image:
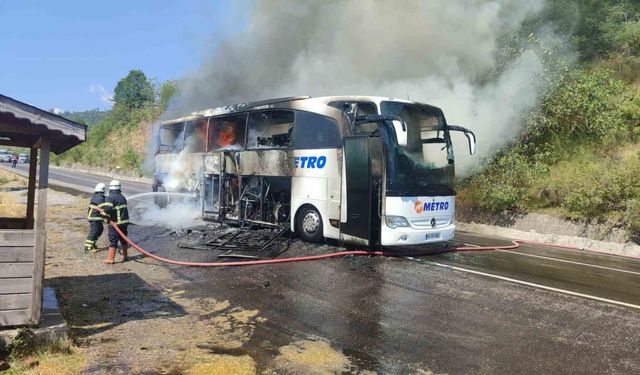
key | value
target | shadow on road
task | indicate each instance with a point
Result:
(96, 303)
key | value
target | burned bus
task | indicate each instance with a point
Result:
(358, 169)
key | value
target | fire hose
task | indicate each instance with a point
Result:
(515, 244)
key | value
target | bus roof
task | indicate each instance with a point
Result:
(241, 107)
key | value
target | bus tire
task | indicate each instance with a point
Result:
(161, 200)
(308, 224)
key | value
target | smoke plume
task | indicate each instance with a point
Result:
(178, 211)
(448, 53)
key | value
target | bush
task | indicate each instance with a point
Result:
(589, 111)
(593, 186)
(505, 184)
(585, 106)
(632, 219)
(131, 158)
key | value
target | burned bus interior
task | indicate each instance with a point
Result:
(247, 159)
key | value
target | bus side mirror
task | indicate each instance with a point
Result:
(471, 137)
(472, 142)
(401, 132)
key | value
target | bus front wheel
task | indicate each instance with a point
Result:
(309, 224)
(161, 200)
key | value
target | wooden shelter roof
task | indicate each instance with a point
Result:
(23, 125)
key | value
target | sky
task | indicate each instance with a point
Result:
(70, 54)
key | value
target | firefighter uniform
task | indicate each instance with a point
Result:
(96, 226)
(116, 208)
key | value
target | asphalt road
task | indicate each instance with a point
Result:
(532, 310)
(535, 309)
(596, 276)
(83, 181)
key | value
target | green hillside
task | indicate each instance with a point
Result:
(118, 137)
(89, 118)
(579, 155)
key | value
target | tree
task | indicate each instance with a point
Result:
(134, 90)
(166, 92)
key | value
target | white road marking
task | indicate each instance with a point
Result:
(558, 260)
(570, 262)
(534, 285)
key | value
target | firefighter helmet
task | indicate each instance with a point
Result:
(114, 185)
(99, 188)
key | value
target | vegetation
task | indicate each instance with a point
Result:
(90, 117)
(133, 91)
(579, 154)
(117, 138)
(28, 356)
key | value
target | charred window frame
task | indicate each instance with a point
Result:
(364, 108)
(171, 138)
(270, 129)
(195, 135)
(315, 131)
(227, 132)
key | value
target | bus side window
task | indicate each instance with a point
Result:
(366, 108)
(314, 131)
(195, 137)
(270, 129)
(227, 133)
(170, 138)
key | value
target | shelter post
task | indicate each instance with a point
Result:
(41, 234)
(31, 189)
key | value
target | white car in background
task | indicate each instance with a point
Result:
(23, 158)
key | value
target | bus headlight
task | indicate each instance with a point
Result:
(396, 221)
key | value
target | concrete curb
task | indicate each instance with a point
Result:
(626, 249)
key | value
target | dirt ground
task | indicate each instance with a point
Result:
(132, 318)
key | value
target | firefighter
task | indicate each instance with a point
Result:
(96, 227)
(116, 211)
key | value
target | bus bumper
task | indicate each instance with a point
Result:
(411, 236)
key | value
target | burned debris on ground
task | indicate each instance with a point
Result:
(223, 241)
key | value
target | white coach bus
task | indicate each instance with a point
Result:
(359, 169)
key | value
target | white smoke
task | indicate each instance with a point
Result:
(442, 52)
(169, 210)
(174, 216)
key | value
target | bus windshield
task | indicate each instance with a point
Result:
(425, 165)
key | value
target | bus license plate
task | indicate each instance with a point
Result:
(432, 236)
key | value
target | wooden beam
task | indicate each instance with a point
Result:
(14, 301)
(41, 235)
(14, 317)
(16, 285)
(31, 189)
(10, 270)
(17, 238)
(16, 254)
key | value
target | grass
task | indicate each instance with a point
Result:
(27, 356)
(47, 362)
(9, 207)
(10, 184)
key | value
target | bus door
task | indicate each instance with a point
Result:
(363, 171)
